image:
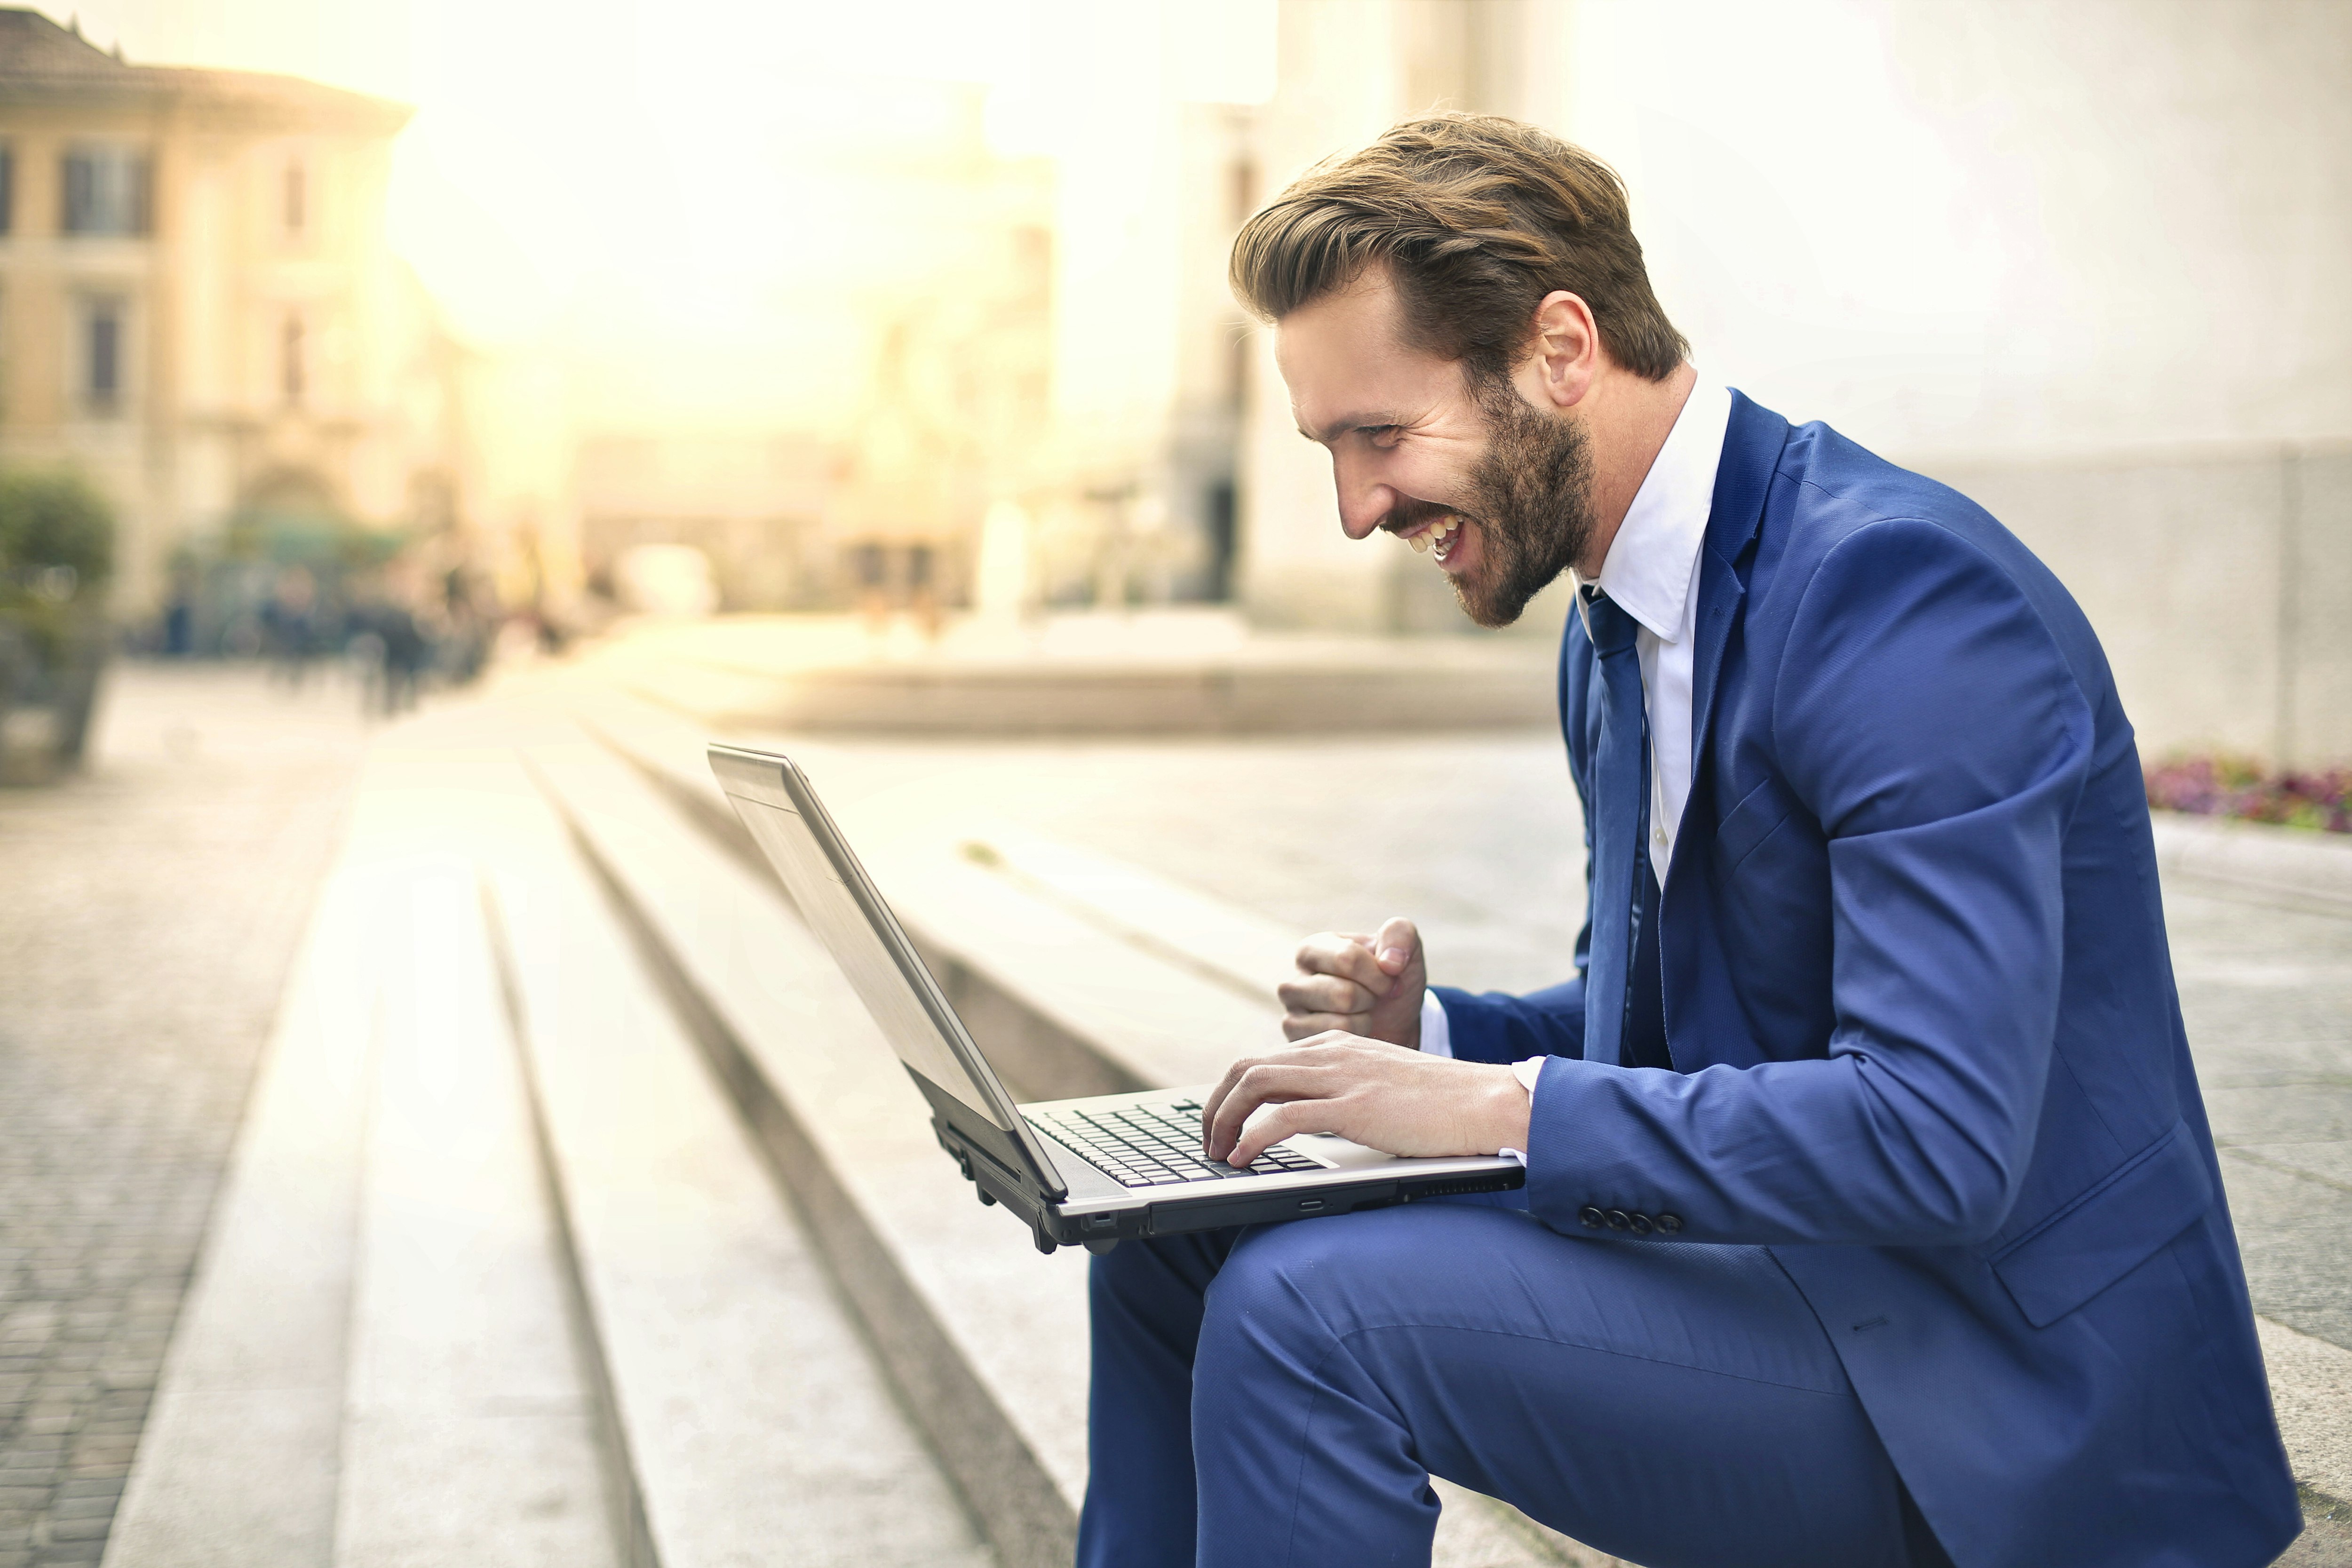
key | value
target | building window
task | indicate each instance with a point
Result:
(106, 191)
(297, 199)
(289, 359)
(102, 355)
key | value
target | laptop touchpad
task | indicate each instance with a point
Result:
(1336, 1154)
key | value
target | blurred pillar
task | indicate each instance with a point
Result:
(1000, 586)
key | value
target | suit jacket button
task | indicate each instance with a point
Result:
(1642, 1225)
(1593, 1217)
(1618, 1219)
(1669, 1223)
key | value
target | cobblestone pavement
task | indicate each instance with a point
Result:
(2268, 995)
(1477, 837)
(148, 911)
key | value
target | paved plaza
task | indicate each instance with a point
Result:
(148, 911)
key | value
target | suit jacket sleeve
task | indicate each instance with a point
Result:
(1490, 1026)
(1924, 717)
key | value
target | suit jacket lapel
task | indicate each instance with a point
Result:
(1751, 450)
(1751, 446)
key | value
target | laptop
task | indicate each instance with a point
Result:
(1091, 1171)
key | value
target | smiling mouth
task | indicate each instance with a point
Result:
(1437, 538)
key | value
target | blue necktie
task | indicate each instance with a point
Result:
(1621, 787)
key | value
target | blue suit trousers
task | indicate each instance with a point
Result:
(1280, 1395)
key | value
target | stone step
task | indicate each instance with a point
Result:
(426, 1291)
(236, 1467)
(471, 1425)
(1081, 974)
(754, 1421)
(743, 674)
(2258, 857)
(986, 1338)
(373, 1365)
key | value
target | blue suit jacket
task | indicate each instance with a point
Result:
(1926, 1040)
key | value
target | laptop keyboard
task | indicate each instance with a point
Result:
(1155, 1145)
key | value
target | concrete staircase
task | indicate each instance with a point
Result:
(498, 1278)
(581, 1218)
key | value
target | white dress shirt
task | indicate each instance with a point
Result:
(1652, 572)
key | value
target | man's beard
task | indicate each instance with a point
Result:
(1531, 499)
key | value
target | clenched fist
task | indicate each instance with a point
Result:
(1366, 985)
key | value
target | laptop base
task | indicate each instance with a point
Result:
(1055, 1225)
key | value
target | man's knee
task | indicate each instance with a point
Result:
(1288, 1292)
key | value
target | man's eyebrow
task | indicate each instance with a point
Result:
(1341, 426)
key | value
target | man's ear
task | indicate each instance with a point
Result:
(1563, 354)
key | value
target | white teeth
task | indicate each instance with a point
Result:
(1438, 535)
(1446, 530)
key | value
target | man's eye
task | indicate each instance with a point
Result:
(1382, 435)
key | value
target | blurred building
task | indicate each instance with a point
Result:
(920, 279)
(197, 308)
(1141, 502)
(975, 343)
(953, 412)
(754, 506)
(1219, 187)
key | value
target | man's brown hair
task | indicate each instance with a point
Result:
(1476, 219)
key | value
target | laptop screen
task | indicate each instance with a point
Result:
(833, 892)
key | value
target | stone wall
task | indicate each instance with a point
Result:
(2221, 585)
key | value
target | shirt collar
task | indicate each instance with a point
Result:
(1650, 567)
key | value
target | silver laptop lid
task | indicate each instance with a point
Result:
(841, 904)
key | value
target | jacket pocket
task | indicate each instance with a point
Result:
(2108, 1231)
(1751, 822)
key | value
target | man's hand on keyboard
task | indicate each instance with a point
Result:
(1384, 1096)
(1368, 983)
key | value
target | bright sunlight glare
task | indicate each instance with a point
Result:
(676, 195)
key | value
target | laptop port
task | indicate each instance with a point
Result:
(1308, 1205)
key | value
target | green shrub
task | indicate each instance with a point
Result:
(54, 517)
(56, 547)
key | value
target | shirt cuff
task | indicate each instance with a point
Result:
(1526, 1072)
(1436, 1035)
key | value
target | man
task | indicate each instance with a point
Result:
(1871, 1215)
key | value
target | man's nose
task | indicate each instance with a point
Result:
(1364, 499)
